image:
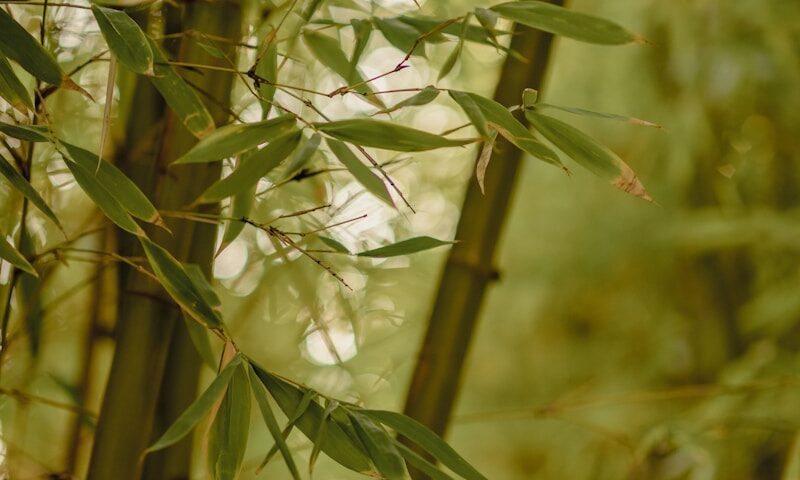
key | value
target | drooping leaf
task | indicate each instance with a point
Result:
(125, 39)
(302, 155)
(423, 97)
(241, 204)
(11, 88)
(561, 21)
(267, 69)
(12, 256)
(483, 160)
(29, 133)
(320, 436)
(340, 442)
(386, 135)
(488, 20)
(588, 153)
(334, 244)
(202, 284)
(420, 463)
(252, 167)
(24, 187)
(127, 193)
(227, 439)
(400, 34)
(381, 448)
(199, 337)
(180, 97)
(475, 114)
(179, 285)
(362, 30)
(19, 45)
(603, 115)
(299, 410)
(405, 247)
(198, 409)
(451, 59)
(233, 139)
(429, 441)
(426, 24)
(272, 424)
(360, 172)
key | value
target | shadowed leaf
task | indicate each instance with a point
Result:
(405, 247)
(11, 88)
(385, 135)
(125, 39)
(227, 440)
(603, 115)
(29, 133)
(379, 444)
(423, 97)
(267, 68)
(18, 45)
(24, 187)
(12, 256)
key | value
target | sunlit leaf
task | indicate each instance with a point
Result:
(179, 285)
(180, 97)
(24, 187)
(451, 59)
(29, 133)
(386, 135)
(475, 114)
(125, 39)
(405, 247)
(423, 97)
(362, 30)
(360, 172)
(233, 139)
(198, 409)
(305, 151)
(379, 444)
(19, 45)
(267, 69)
(227, 438)
(429, 441)
(11, 88)
(603, 115)
(590, 154)
(252, 167)
(12, 256)
(561, 21)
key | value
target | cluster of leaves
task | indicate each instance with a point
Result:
(351, 435)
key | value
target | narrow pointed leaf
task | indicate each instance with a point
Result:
(405, 247)
(362, 30)
(24, 187)
(267, 69)
(385, 135)
(426, 24)
(19, 45)
(561, 21)
(29, 133)
(400, 34)
(179, 285)
(420, 463)
(320, 436)
(233, 139)
(379, 444)
(179, 95)
(11, 88)
(251, 168)
(198, 409)
(360, 172)
(429, 441)
(227, 440)
(241, 204)
(125, 39)
(488, 20)
(475, 114)
(603, 115)
(483, 160)
(590, 154)
(334, 244)
(199, 336)
(302, 155)
(423, 97)
(451, 59)
(202, 284)
(12, 256)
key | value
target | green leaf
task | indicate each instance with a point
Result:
(299, 411)
(105, 201)
(122, 188)
(593, 156)
(400, 34)
(12, 89)
(12, 256)
(475, 114)
(241, 204)
(488, 20)
(320, 436)
(267, 68)
(302, 155)
(340, 442)
(423, 97)
(423, 465)
(227, 440)
(18, 45)
(529, 97)
(386, 135)
(199, 336)
(603, 115)
(180, 97)
(451, 59)
(272, 424)
(251, 168)
(561, 21)
(429, 441)
(379, 444)
(29, 133)
(202, 284)
(233, 139)
(405, 247)
(483, 160)
(179, 285)
(360, 172)
(125, 39)
(24, 187)
(362, 30)
(198, 409)
(426, 24)
(334, 244)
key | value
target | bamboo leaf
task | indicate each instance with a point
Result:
(423, 97)
(405, 247)
(320, 435)
(362, 30)
(400, 34)
(475, 114)
(12, 89)
(418, 461)
(227, 440)
(272, 424)
(380, 446)
(561, 21)
(179, 95)
(251, 168)
(588, 153)
(202, 284)
(24, 187)
(267, 69)
(233, 139)
(125, 39)
(12, 256)
(29, 133)
(488, 20)
(483, 160)
(241, 204)
(451, 59)
(179, 285)
(302, 155)
(198, 409)
(385, 135)
(426, 24)
(334, 244)
(429, 441)
(199, 336)
(122, 188)
(603, 115)
(18, 45)
(360, 172)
